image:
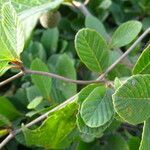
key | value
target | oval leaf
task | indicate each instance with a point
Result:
(12, 30)
(5, 54)
(50, 39)
(126, 33)
(35, 102)
(6, 111)
(43, 83)
(143, 64)
(94, 23)
(92, 50)
(97, 109)
(132, 99)
(84, 93)
(56, 131)
(96, 132)
(65, 68)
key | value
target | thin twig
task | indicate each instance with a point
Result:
(81, 7)
(27, 71)
(11, 78)
(72, 99)
(86, 2)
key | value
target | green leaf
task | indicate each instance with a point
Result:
(27, 7)
(35, 102)
(84, 93)
(32, 92)
(5, 121)
(35, 50)
(145, 136)
(132, 99)
(49, 39)
(43, 83)
(4, 66)
(4, 132)
(7, 109)
(96, 132)
(65, 68)
(83, 128)
(146, 23)
(97, 108)
(126, 33)
(92, 50)
(25, 4)
(117, 83)
(68, 1)
(116, 142)
(134, 143)
(5, 54)
(116, 9)
(94, 23)
(12, 31)
(30, 11)
(55, 131)
(142, 66)
(121, 70)
(85, 145)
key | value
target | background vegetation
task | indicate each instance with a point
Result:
(51, 46)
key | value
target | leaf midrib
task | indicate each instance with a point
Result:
(93, 54)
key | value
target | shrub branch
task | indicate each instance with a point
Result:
(73, 98)
(20, 74)
(84, 10)
(51, 75)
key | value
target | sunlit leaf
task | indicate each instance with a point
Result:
(29, 11)
(55, 131)
(35, 102)
(12, 31)
(4, 132)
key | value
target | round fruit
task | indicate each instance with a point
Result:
(50, 19)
